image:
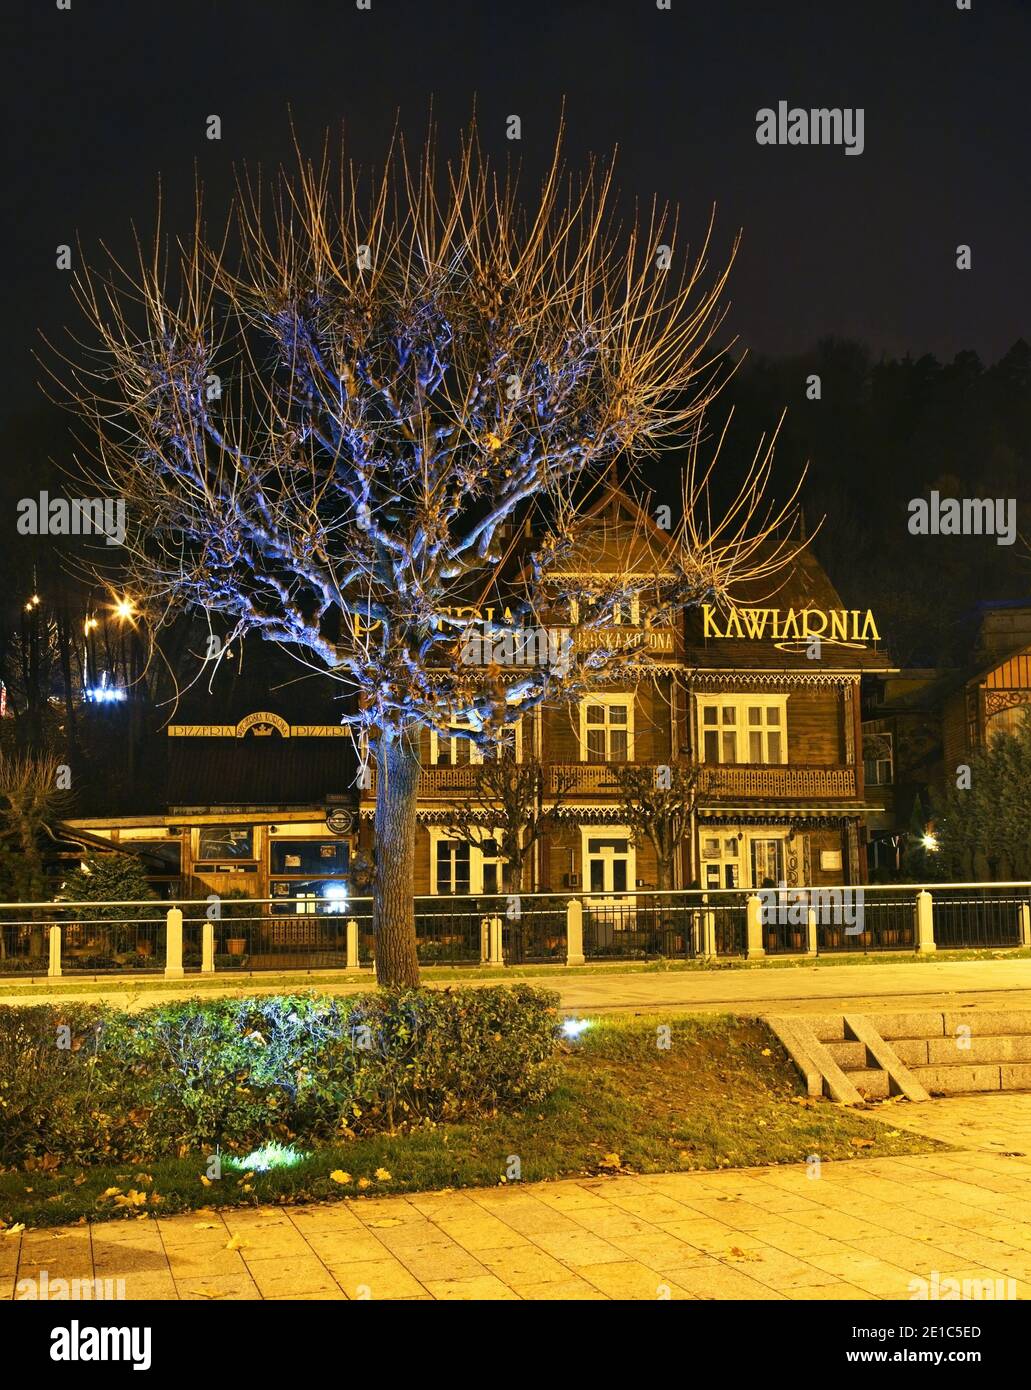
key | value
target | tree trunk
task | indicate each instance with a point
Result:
(664, 874)
(397, 790)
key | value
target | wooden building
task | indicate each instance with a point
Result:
(267, 801)
(748, 692)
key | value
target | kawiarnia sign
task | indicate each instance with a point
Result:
(784, 624)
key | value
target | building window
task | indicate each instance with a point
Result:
(308, 897)
(767, 863)
(459, 868)
(462, 752)
(225, 842)
(490, 867)
(452, 867)
(624, 612)
(721, 856)
(453, 752)
(162, 863)
(1005, 721)
(743, 728)
(878, 763)
(609, 859)
(329, 857)
(607, 729)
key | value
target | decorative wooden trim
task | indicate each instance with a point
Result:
(702, 680)
(995, 701)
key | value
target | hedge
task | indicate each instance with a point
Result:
(87, 1083)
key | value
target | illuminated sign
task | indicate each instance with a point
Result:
(852, 626)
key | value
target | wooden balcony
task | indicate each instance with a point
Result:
(792, 783)
(765, 782)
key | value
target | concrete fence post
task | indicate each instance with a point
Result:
(810, 932)
(754, 934)
(352, 944)
(924, 923)
(574, 932)
(484, 940)
(174, 943)
(709, 934)
(207, 948)
(1025, 924)
(54, 967)
(496, 953)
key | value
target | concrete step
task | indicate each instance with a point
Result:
(870, 1082)
(962, 1050)
(983, 1022)
(960, 1078)
(953, 1052)
(848, 1055)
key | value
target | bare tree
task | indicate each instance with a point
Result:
(31, 804)
(657, 804)
(325, 419)
(510, 803)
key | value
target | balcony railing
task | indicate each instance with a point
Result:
(793, 782)
(589, 779)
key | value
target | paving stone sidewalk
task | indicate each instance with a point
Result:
(861, 1229)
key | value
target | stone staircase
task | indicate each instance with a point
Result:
(858, 1057)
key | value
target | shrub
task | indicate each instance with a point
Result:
(109, 878)
(240, 1073)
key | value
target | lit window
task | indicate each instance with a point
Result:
(452, 867)
(743, 729)
(607, 729)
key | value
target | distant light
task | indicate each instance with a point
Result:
(271, 1156)
(573, 1027)
(104, 694)
(335, 895)
(930, 842)
(90, 624)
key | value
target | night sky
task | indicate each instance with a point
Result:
(104, 98)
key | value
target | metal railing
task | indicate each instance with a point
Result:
(266, 934)
(985, 917)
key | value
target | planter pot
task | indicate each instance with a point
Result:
(236, 945)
